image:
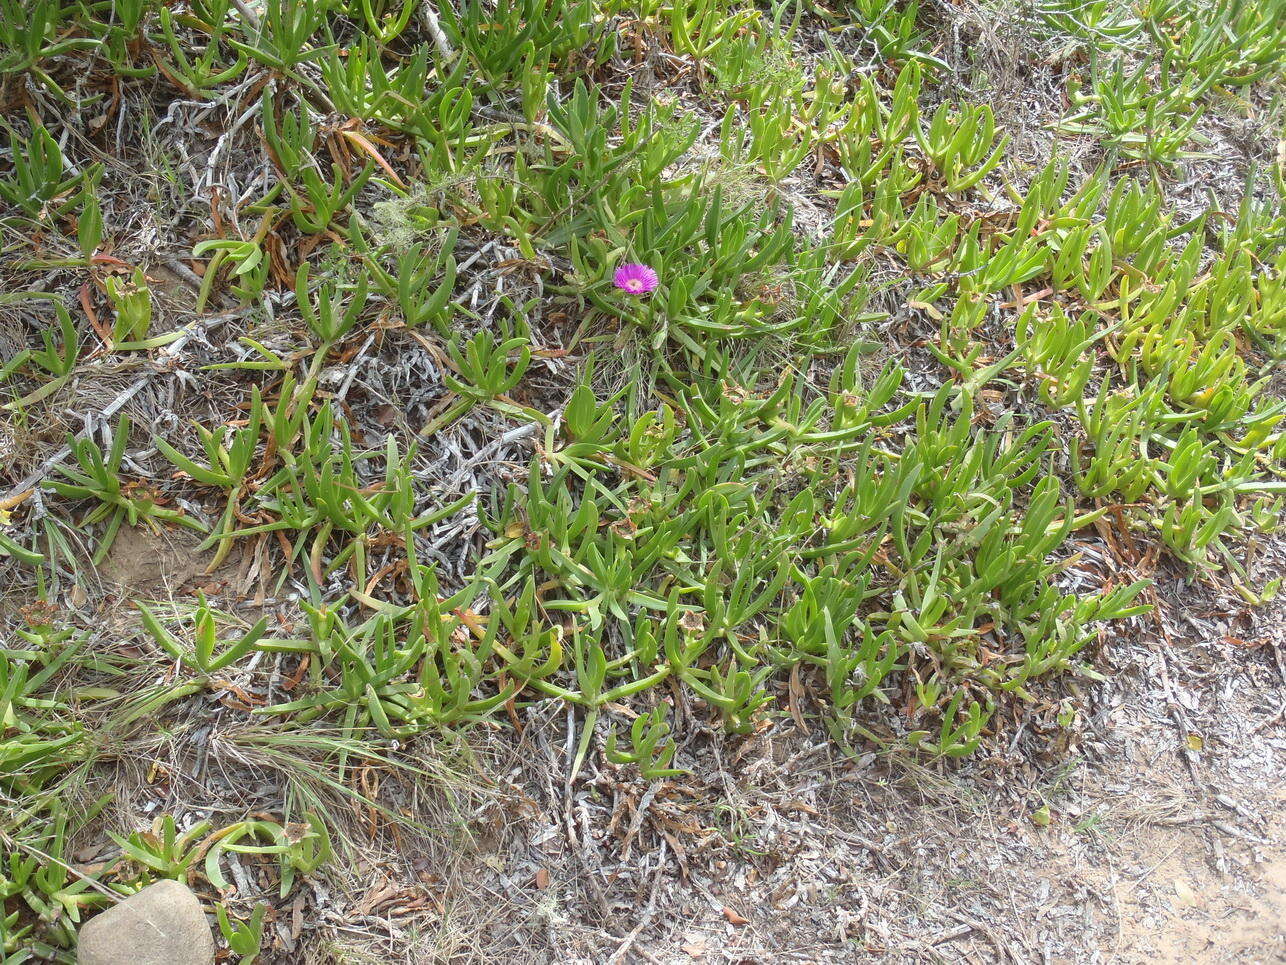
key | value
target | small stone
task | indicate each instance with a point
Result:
(161, 925)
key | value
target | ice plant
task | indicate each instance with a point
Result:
(635, 279)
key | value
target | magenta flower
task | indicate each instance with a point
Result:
(635, 279)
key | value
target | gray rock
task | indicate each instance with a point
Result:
(161, 925)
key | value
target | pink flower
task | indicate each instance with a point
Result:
(635, 279)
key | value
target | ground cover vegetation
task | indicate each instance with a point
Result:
(684, 364)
